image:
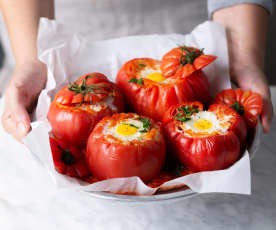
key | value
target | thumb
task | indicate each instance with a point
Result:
(267, 114)
(16, 121)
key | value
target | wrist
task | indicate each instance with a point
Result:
(31, 64)
(248, 74)
(245, 26)
(30, 69)
(241, 55)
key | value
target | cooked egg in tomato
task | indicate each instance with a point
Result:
(155, 75)
(205, 122)
(131, 129)
(126, 130)
(99, 106)
(204, 140)
(125, 145)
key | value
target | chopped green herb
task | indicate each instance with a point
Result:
(146, 124)
(137, 81)
(132, 125)
(185, 113)
(142, 65)
(182, 119)
(143, 131)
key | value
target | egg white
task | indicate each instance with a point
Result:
(97, 107)
(146, 71)
(210, 116)
(137, 136)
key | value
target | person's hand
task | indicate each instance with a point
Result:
(21, 95)
(246, 26)
(253, 78)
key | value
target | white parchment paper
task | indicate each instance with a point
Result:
(69, 55)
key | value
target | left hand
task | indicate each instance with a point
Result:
(245, 26)
(253, 78)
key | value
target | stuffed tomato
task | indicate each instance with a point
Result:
(204, 140)
(77, 107)
(183, 61)
(68, 159)
(126, 145)
(151, 93)
(248, 104)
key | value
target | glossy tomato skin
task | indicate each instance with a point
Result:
(70, 115)
(112, 160)
(68, 159)
(248, 103)
(182, 61)
(238, 126)
(203, 153)
(73, 125)
(171, 112)
(153, 99)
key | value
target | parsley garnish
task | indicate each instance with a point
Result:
(142, 65)
(137, 81)
(131, 125)
(146, 124)
(185, 113)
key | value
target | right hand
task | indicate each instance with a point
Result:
(21, 95)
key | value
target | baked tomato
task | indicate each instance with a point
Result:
(126, 145)
(79, 106)
(204, 140)
(238, 125)
(182, 61)
(68, 159)
(151, 94)
(248, 104)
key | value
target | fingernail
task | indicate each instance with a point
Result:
(22, 129)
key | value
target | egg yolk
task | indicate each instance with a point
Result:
(203, 124)
(126, 130)
(158, 77)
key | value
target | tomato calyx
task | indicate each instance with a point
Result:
(185, 112)
(189, 55)
(238, 108)
(179, 169)
(67, 157)
(139, 81)
(85, 89)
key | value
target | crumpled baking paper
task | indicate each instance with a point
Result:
(69, 55)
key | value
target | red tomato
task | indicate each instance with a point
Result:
(246, 103)
(238, 125)
(78, 107)
(172, 111)
(199, 141)
(68, 159)
(126, 145)
(153, 98)
(183, 61)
